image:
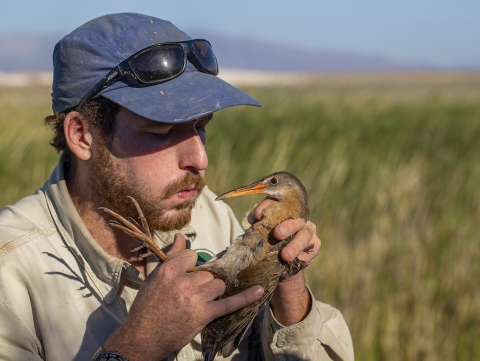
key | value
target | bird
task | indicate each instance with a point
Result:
(254, 259)
(251, 259)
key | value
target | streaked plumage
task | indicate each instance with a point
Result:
(253, 259)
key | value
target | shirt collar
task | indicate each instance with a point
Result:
(105, 271)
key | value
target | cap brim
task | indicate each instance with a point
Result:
(190, 96)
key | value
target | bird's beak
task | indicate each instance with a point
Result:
(253, 188)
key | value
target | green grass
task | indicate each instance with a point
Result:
(26, 160)
(393, 182)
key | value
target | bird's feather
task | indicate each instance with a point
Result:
(253, 259)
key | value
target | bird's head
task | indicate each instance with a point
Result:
(281, 186)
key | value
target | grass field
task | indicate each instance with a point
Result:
(392, 167)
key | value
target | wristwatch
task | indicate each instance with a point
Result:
(102, 355)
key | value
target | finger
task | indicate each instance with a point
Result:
(308, 254)
(213, 288)
(260, 208)
(179, 244)
(201, 280)
(231, 304)
(306, 236)
(287, 228)
(180, 261)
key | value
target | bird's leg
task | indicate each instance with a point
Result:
(297, 265)
(141, 233)
(293, 267)
(309, 248)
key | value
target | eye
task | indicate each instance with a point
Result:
(160, 131)
(274, 180)
(162, 135)
(202, 124)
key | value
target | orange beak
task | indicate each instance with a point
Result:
(254, 188)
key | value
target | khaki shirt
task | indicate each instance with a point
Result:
(61, 295)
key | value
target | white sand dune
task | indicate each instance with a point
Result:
(236, 77)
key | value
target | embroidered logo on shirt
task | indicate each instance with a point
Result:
(204, 255)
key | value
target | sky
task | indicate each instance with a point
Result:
(435, 32)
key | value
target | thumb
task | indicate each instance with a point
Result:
(179, 244)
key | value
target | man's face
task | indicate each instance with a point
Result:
(161, 165)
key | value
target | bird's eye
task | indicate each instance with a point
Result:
(274, 181)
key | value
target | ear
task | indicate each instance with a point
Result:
(78, 134)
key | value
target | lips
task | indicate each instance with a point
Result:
(187, 193)
(186, 187)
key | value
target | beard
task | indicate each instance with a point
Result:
(112, 185)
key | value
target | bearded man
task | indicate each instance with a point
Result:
(132, 96)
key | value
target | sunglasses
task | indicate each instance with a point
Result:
(159, 63)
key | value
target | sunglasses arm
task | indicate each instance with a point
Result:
(113, 76)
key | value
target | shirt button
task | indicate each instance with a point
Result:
(281, 343)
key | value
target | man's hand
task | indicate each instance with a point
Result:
(172, 306)
(305, 245)
(291, 301)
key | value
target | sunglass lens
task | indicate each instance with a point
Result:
(206, 56)
(160, 63)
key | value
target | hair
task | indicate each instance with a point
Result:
(99, 113)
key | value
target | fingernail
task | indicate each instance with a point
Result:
(290, 253)
(282, 231)
(259, 292)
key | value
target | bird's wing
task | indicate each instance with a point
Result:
(228, 349)
(250, 277)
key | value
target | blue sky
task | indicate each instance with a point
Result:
(437, 32)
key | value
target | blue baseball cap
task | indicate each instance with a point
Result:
(83, 57)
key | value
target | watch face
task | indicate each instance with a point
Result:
(110, 356)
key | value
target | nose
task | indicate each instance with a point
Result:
(192, 154)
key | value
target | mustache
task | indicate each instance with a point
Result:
(185, 182)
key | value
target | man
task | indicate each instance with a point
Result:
(130, 119)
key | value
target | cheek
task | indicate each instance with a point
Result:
(152, 172)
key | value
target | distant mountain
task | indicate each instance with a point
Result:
(23, 53)
(252, 54)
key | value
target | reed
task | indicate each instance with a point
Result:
(393, 188)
